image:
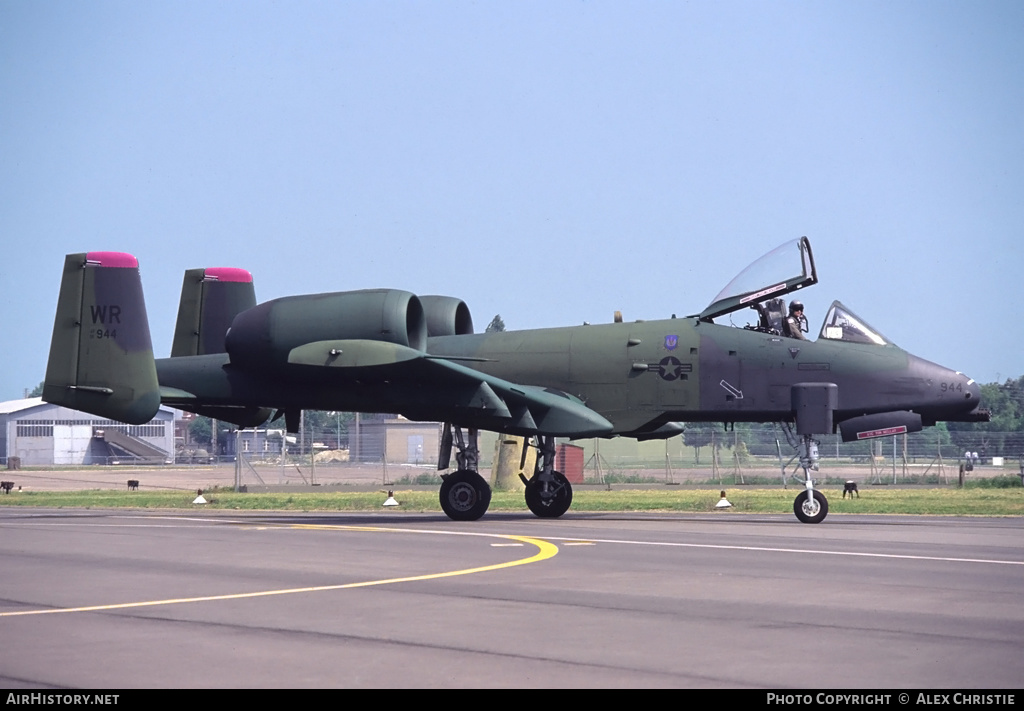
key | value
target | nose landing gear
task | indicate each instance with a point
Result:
(810, 506)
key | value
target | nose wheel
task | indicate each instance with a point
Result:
(811, 506)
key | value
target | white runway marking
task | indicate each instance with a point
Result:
(767, 549)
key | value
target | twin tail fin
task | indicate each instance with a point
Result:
(210, 300)
(101, 355)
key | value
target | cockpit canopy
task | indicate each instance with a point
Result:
(766, 278)
(841, 324)
(786, 269)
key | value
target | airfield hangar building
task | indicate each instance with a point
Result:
(36, 433)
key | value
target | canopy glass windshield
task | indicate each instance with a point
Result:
(783, 270)
(841, 324)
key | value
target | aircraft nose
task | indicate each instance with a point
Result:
(951, 393)
(964, 389)
(974, 390)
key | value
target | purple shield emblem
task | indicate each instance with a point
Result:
(671, 342)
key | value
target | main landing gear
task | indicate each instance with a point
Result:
(465, 495)
(810, 506)
(548, 492)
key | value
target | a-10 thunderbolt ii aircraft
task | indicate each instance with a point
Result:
(390, 351)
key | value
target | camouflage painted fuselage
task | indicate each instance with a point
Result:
(639, 376)
(645, 374)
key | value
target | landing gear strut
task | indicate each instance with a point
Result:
(810, 506)
(464, 495)
(548, 492)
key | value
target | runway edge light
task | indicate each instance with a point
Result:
(391, 499)
(723, 503)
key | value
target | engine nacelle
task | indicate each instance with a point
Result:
(264, 335)
(882, 424)
(446, 316)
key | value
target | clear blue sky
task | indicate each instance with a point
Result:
(548, 161)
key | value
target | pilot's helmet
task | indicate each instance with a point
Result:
(796, 306)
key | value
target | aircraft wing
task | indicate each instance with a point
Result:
(429, 387)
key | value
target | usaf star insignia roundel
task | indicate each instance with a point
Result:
(670, 368)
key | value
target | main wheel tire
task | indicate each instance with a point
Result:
(553, 505)
(811, 511)
(465, 495)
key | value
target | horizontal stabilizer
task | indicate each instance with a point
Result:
(242, 415)
(101, 356)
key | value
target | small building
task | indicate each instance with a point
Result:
(396, 439)
(38, 433)
(255, 443)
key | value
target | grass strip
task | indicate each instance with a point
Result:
(936, 502)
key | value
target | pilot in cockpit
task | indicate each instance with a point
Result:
(796, 323)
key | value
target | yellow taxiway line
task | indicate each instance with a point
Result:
(545, 550)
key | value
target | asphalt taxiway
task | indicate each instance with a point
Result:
(116, 599)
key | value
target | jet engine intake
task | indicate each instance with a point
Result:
(446, 316)
(882, 424)
(264, 335)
